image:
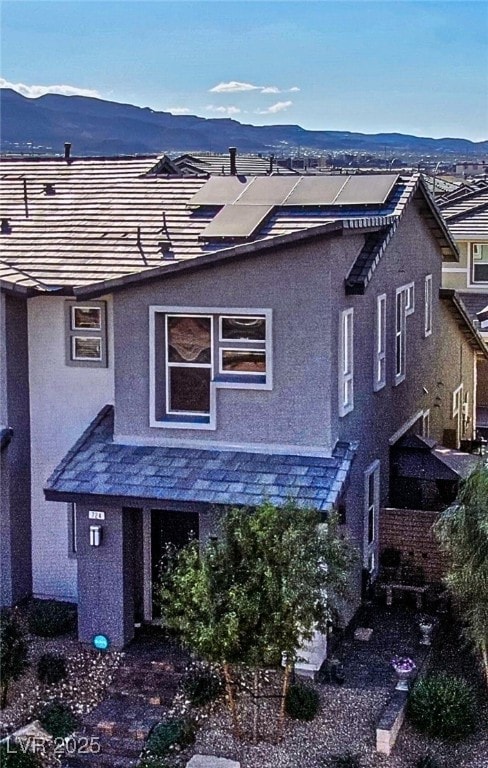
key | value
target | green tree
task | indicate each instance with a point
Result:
(462, 531)
(273, 576)
(13, 652)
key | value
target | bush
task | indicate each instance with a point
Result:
(13, 652)
(428, 761)
(346, 760)
(49, 618)
(51, 668)
(302, 702)
(202, 683)
(58, 720)
(12, 756)
(442, 705)
(165, 736)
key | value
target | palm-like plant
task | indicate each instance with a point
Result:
(462, 531)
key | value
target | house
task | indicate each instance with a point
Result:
(466, 215)
(186, 344)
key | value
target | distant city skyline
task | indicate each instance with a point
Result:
(407, 66)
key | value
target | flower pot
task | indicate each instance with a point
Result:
(404, 676)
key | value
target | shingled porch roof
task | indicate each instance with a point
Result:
(98, 469)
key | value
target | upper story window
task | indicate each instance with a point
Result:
(86, 334)
(194, 352)
(428, 306)
(410, 298)
(479, 262)
(401, 333)
(379, 380)
(346, 362)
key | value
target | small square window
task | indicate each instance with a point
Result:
(86, 334)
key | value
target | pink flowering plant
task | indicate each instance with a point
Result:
(403, 664)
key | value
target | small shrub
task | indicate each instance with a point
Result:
(202, 683)
(346, 760)
(302, 702)
(12, 756)
(443, 706)
(49, 618)
(58, 720)
(51, 668)
(428, 761)
(165, 736)
(13, 652)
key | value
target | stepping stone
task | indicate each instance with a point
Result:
(363, 634)
(210, 761)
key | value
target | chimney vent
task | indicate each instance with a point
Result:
(67, 150)
(49, 188)
(233, 167)
(165, 248)
(5, 227)
(271, 163)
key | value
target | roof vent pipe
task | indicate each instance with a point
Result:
(233, 167)
(49, 188)
(67, 150)
(5, 227)
(271, 163)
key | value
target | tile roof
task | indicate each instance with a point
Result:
(252, 165)
(106, 219)
(96, 466)
(466, 214)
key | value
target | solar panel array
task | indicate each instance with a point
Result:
(248, 202)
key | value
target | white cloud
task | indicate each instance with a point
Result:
(223, 110)
(33, 91)
(178, 110)
(235, 86)
(280, 106)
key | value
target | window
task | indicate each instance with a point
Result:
(428, 306)
(371, 509)
(194, 352)
(380, 344)
(479, 262)
(346, 362)
(457, 410)
(426, 423)
(86, 334)
(410, 299)
(72, 549)
(466, 421)
(400, 334)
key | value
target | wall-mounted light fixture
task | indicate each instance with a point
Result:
(95, 535)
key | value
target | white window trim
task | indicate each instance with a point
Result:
(410, 299)
(426, 423)
(169, 365)
(210, 423)
(428, 298)
(457, 400)
(471, 281)
(346, 360)
(402, 332)
(370, 546)
(379, 372)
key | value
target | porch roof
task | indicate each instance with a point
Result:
(98, 467)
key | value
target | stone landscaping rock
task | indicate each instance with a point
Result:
(210, 761)
(363, 634)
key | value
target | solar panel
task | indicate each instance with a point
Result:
(366, 190)
(236, 221)
(316, 190)
(267, 190)
(220, 190)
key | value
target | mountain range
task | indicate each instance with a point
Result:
(99, 127)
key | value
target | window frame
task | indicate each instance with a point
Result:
(472, 281)
(371, 513)
(428, 306)
(161, 417)
(379, 364)
(410, 298)
(73, 332)
(346, 361)
(400, 334)
(169, 365)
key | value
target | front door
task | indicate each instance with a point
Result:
(175, 528)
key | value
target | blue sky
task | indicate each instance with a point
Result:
(359, 65)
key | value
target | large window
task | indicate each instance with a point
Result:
(346, 362)
(194, 352)
(371, 514)
(479, 262)
(86, 334)
(380, 344)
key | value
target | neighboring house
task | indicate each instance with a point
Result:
(466, 215)
(229, 164)
(195, 344)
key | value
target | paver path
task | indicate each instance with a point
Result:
(141, 692)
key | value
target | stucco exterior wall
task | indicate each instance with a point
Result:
(64, 400)
(296, 285)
